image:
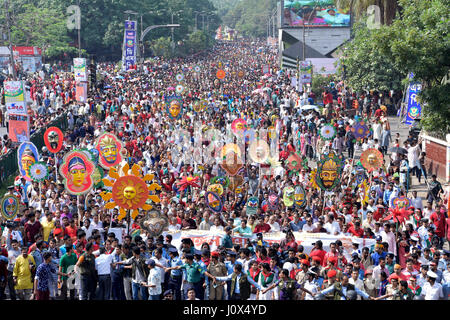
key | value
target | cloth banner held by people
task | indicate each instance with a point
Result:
(214, 239)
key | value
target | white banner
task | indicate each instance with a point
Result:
(304, 239)
(80, 69)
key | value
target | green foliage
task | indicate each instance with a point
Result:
(417, 41)
(250, 17)
(162, 47)
(320, 81)
(366, 68)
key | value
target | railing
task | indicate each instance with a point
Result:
(8, 162)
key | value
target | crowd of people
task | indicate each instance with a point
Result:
(61, 246)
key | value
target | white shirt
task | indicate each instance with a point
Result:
(417, 203)
(312, 287)
(103, 264)
(154, 278)
(432, 292)
(216, 228)
(332, 227)
(390, 239)
(307, 228)
(163, 261)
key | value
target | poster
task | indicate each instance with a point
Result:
(15, 98)
(414, 109)
(81, 91)
(19, 128)
(129, 45)
(79, 69)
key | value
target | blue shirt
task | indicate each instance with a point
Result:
(376, 257)
(44, 275)
(230, 266)
(174, 263)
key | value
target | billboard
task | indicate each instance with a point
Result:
(15, 98)
(314, 13)
(81, 91)
(79, 69)
(129, 45)
(18, 128)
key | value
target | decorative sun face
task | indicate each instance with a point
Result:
(130, 192)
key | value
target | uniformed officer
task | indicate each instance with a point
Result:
(175, 276)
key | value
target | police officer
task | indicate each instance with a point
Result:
(175, 276)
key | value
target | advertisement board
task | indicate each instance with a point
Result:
(19, 128)
(15, 98)
(81, 91)
(314, 13)
(414, 110)
(79, 69)
(129, 45)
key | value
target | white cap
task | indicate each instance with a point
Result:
(431, 274)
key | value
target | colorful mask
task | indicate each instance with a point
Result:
(329, 171)
(77, 171)
(213, 201)
(259, 151)
(154, 223)
(174, 107)
(27, 155)
(252, 205)
(216, 188)
(53, 138)
(288, 196)
(299, 197)
(110, 150)
(360, 130)
(238, 126)
(10, 206)
(273, 201)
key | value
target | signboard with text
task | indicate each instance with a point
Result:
(129, 45)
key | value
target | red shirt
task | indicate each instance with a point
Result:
(356, 232)
(319, 253)
(31, 230)
(439, 221)
(261, 228)
(71, 232)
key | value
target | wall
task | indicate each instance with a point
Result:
(438, 157)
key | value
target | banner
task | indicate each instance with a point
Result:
(129, 45)
(81, 91)
(19, 128)
(214, 239)
(414, 109)
(80, 70)
(265, 69)
(15, 98)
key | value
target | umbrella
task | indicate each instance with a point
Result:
(398, 150)
(170, 88)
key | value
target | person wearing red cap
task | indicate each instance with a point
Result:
(318, 251)
(331, 279)
(301, 274)
(217, 269)
(392, 287)
(333, 253)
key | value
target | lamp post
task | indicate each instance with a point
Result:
(11, 56)
(172, 29)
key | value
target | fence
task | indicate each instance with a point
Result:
(8, 162)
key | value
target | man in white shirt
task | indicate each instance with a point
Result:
(308, 227)
(160, 261)
(205, 224)
(378, 269)
(432, 290)
(332, 226)
(388, 236)
(416, 201)
(103, 267)
(153, 281)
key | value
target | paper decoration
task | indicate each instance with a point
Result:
(294, 163)
(259, 151)
(53, 138)
(130, 191)
(231, 159)
(238, 126)
(220, 74)
(77, 171)
(179, 77)
(372, 159)
(329, 171)
(186, 182)
(299, 197)
(110, 149)
(213, 201)
(179, 89)
(327, 132)
(10, 206)
(252, 205)
(174, 107)
(27, 155)
(288, 196)
(273, 201)
(224, 181)
(39, 171)
(154, 223)
(400, 202)
(360, 130)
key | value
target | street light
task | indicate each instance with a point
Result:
(196, 20)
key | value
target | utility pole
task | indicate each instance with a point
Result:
(11, 56)
(79, 34)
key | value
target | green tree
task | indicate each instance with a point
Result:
(161, 47)
(419, 42)
(45, 28)
(366, 66)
